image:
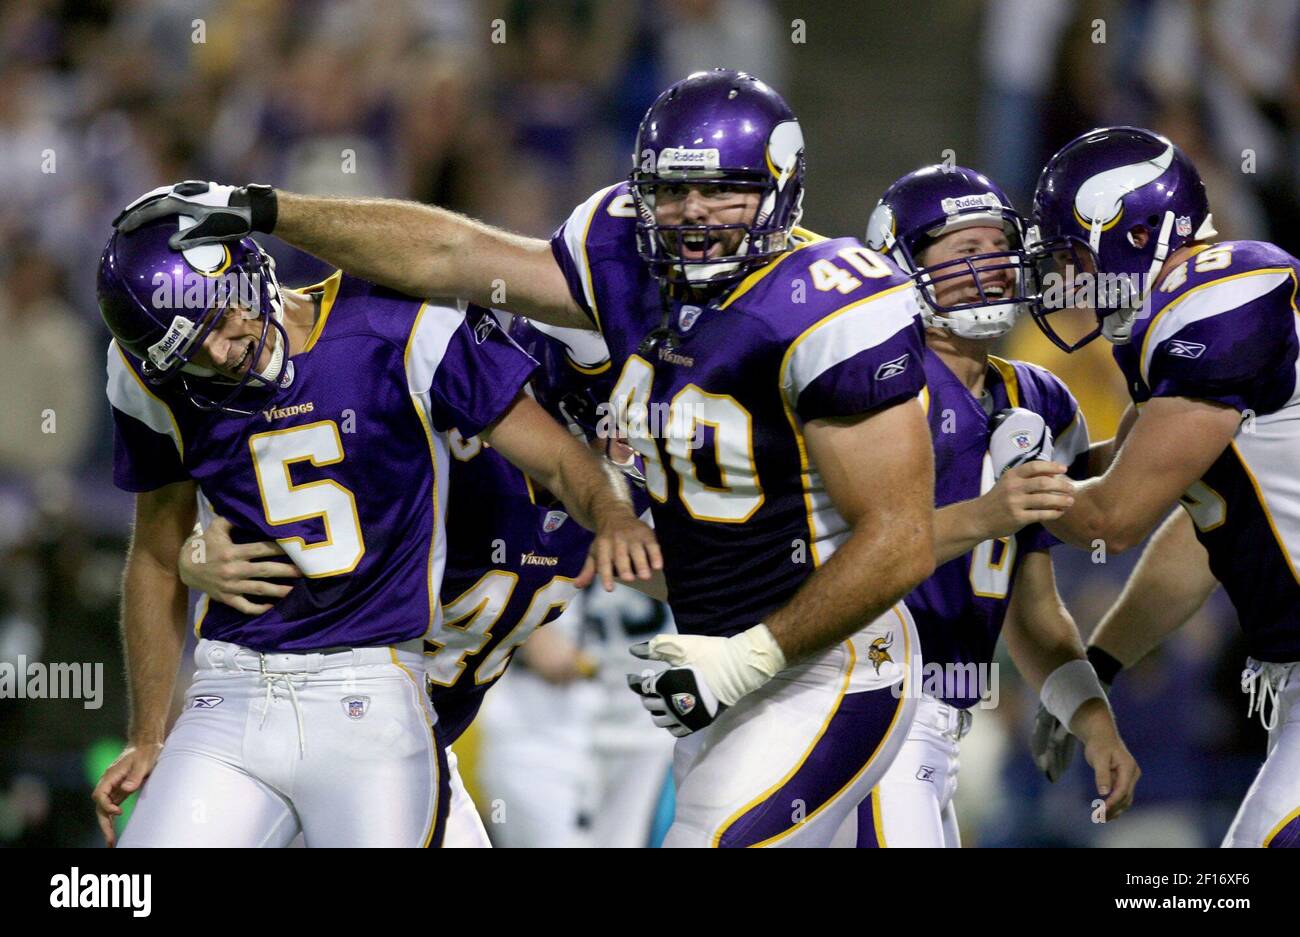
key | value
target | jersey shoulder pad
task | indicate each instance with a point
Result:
(155, 407)
(1222, 310)
(815, 279)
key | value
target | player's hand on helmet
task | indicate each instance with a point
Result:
(1115, 769)
(122, 779)
(235, 573)
(707, 674)
(220, 212)
(625, 547)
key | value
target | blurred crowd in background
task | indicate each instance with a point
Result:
(101, 101)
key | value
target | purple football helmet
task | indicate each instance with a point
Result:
(725, 128)
(929, 203)
(161, 304)
(1112, 204)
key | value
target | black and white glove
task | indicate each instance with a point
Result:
(707, 675)
(1017, 436)
(1051, 743)
(220, 212)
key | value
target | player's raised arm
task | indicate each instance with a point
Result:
(594, 492)
(415, 249)
(1171, 445)
(1045, 647)
(153, 635)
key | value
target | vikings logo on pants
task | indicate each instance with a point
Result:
(790, 762)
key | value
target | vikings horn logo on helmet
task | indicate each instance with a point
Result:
(1100, 197)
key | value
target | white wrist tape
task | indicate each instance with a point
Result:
(1068, 687)
(733, 667)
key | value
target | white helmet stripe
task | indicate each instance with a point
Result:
(1098, 198)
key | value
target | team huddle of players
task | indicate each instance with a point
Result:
(398, 485)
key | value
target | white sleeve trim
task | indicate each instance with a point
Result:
(127, 393)
(575, 240)
(844, 333)
(430, 336)
(1206, 302)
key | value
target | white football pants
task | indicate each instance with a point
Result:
(912, 806)
(341, 746)
(790, 762)
(1270, 814)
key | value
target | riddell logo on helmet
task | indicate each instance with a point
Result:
(673, 158)
(963, 202)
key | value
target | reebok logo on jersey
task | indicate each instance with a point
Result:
(925, 773)
(279, 413)
(1181, 349)
(893, 368)
(536, 559)
(104, 890)
(206, 702)
(484, 328)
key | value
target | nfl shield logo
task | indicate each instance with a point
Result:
(1022, 440)
(687, 317)
(356, 706)
(1183, 226)
(683, 703)
(553, 521)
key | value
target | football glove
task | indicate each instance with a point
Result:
(220, 212)
(1051, 743)
(707, 675)
(1017, 436)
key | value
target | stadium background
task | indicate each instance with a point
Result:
(100, 101)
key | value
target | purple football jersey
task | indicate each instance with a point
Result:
(512, 555)
(347, 469)
(828, 328)
(959, 610)
(1223, 326)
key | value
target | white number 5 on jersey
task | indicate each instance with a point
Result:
(283, 502)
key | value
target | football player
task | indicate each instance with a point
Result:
(1205, 334)
(763, 372)
(319, 419)
(958, 234)
(513, 552)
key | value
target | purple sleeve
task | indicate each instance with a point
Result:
(599, 229)
(142, 459)
(479, 376)
(880, 374)
(1243, 357)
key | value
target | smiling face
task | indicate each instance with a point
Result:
(702, 203)
(955, 285)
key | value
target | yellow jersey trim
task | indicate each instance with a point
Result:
(329, 290)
